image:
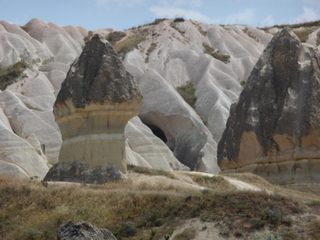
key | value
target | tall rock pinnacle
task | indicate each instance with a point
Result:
(95, 102)
(274, 128)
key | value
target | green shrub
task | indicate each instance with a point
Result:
(10, 74)
(179, 19)
(159, 222)
(187, 92)
(127, 229)
(273, 215)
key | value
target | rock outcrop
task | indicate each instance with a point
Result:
(83, 231)
(274, 128)
(94, 104)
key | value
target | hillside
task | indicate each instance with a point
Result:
(188, 72)
(194, 206)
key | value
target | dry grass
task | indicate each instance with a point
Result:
(152, 47)
(286, 191)
(9, 74)
(216, 53)
(187, 92)
(115, 36)
(30, 210)
(250, 34)
(303, 34)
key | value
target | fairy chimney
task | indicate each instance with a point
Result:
(96, 100)
(274, 128)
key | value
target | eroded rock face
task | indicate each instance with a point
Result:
(273, 129)
(95, 102)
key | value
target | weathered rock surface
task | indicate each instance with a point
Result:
(172, 53)
(273, 129)
(94, 104)
(143, 148)
(83, 231)
(175, 56)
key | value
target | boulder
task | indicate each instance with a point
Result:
(273, 129)
(83, 231)
(94, 104)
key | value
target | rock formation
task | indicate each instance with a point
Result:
(83, 231)
(274, 127)
(94, 104)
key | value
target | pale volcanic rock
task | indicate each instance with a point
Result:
(94, 104)
(57, 40)
(16, 44)
(273, 129)
(148, 150)
(24, 122)
(183, 130)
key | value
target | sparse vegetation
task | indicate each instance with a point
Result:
(9, 74)
(115, 36)
(314, 229)
(131, 42)
(318, 39)
(246, 31)
(297, 25)
(150, 171)
(87, 38)
(179, 19)
(216, 53)
(187, 92)
(303, 34)
(157, 21)
(29, 210)
(216, 183)
(187, 234)
(128, 44)
(174, 26)
(267, 236)
(243, 83)
(150, 50)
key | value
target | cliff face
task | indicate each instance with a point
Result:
(273, 128)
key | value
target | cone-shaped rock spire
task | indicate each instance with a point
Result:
(273, 129)
(95, 102)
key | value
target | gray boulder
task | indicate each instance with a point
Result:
(83, 231)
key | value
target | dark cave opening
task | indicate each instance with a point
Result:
(158, 132)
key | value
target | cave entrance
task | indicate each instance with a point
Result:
(158, 132)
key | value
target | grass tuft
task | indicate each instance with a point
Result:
(187, 92)
(216, 54)
(9, 74)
